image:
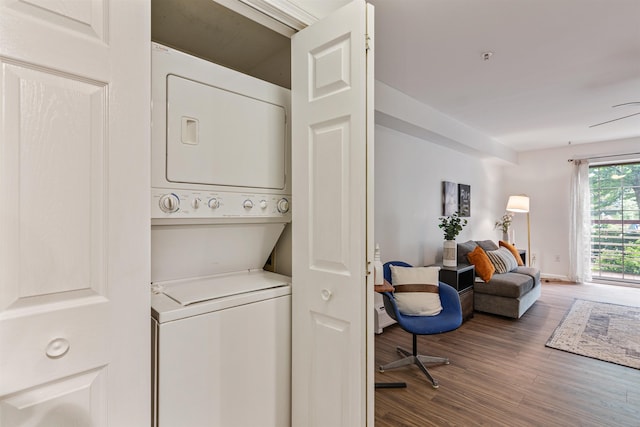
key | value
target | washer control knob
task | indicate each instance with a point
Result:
(195, 203)
(263, 204)
(169, 203)
(214, 203)
(247, 204)
(283, 206)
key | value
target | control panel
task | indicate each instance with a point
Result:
(175, 203)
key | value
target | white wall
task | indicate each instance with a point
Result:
(417, 148)
(545, 176)
(408, 176)
(408, 198)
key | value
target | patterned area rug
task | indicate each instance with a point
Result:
(602, 331)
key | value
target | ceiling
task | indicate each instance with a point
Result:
(557, 66)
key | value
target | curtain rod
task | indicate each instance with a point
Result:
(604, 157)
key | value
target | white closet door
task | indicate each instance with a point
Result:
(332, 292)
(74, 222)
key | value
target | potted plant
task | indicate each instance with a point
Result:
(504, 224)
(452, 225)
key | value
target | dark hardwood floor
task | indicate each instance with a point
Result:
(501, 373)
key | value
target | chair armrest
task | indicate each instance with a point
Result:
(390, 305)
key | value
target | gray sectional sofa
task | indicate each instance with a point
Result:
(506, 294)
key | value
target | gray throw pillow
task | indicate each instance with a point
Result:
(464, 249)
(487, 245)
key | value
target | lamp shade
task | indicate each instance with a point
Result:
(518, 204)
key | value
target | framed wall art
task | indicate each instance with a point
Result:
(464, 200)
(449, 198)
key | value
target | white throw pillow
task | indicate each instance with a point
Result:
(416, 290)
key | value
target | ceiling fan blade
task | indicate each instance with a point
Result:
(626, 103)
(614, 120)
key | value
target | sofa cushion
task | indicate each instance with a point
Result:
(487, 245)
(532, 272)
(513, 250)
(464, 249)
(483, 266)
(416, 290)
(510, 285)
(503, 260)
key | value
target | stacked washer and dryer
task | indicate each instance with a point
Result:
(220, 200)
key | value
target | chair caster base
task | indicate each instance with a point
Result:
(418, 360)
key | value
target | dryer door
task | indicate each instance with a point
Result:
(219, 137)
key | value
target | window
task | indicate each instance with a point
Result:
(615, 221)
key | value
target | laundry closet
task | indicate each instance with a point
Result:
(220, 201)
(260, 247)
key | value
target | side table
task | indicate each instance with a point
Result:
(523, 255)
(461, 277)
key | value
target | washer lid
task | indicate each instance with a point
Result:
(195, 290)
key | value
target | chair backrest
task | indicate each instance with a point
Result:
(389, 306)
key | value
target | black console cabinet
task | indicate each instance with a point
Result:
(461, 278)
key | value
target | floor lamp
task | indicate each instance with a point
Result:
(520, 204)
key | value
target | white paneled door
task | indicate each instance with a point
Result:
(332, 221)
(74, 222)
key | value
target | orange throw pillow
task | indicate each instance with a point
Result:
(484, 268)
(513, 250)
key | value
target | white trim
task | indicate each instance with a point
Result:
(283, 11)
(554, 277)
(269, 20)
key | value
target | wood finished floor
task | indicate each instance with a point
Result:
(501, 373)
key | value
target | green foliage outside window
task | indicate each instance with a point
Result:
(615, 218)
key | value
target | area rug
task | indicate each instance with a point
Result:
(603, 331)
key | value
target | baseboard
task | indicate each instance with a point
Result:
(555, 278)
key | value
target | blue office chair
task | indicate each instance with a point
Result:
(448, 319)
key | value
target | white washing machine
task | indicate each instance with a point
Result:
(223, 350)
(221, 340)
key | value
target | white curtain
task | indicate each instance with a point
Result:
(580, 224)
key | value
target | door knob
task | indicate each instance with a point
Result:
(57, 348)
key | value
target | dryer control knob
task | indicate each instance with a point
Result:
(214, 203)
(169, 203)
(263, 204)
(247, 204)
(195, 203)
(283, 206)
